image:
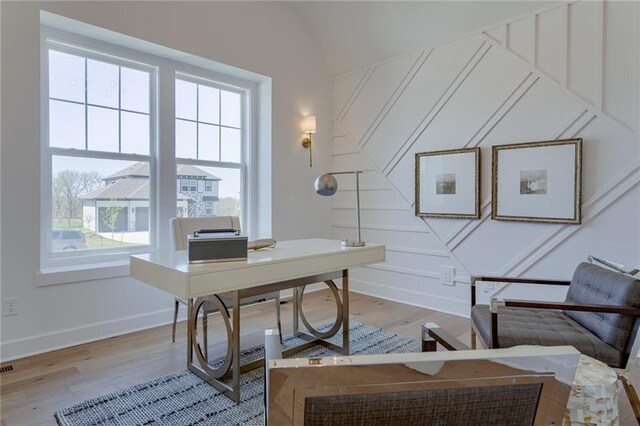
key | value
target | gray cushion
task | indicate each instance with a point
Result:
(545, 328)
(592, 284)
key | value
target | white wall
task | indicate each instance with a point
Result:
(264, 37)
(571, 71)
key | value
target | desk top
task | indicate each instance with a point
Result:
(171, 271)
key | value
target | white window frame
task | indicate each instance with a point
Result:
(92, 265)
(208, 185)
(51, 39)
(247, 144)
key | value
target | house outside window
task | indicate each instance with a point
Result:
(208, 185)
(184, 185)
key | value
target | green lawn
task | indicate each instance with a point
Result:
(98, 241)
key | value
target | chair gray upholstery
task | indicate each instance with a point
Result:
(521, 326)
(513, 405)
(604, 336)
(594, 285)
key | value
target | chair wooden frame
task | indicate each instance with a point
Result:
(511, 303)
(289, 382)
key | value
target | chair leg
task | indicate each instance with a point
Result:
(277, 300)
(205, 341)
(473, 339)
(175, 320)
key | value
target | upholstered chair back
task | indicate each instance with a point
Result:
(595, 285)
(181, 227)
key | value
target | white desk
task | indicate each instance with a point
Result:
(291, 264)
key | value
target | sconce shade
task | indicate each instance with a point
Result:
(309, 125)
(326, 185)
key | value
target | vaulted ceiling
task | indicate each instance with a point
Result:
(352, 34)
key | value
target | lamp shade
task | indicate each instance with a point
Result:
(326, 185)
(309, 125)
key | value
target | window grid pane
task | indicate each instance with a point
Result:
(98, 203)
(195, 104)
(99, 90)
(217, 190)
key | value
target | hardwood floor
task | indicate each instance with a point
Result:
(42, 384)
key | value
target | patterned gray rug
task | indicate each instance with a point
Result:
(182, 398)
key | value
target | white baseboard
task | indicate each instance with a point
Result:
(447, 305)
(46, 342)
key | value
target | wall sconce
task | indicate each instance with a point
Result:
(309, 127)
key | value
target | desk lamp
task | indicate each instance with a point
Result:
(327, 185)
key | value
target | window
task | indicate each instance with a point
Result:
(102, 159)
(209, 144)
(99, 145)
(208, 208)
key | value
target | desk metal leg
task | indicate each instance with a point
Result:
(210, 374)
(231, 367)
(235, 381)
(311, 334)
(189, 334)
(345, 311)
(296, 314)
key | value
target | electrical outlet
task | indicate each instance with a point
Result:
(10, 306)
(446, 275)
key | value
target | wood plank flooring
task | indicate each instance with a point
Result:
(42, 384)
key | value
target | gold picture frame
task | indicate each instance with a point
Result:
(534, 181)
(448, 186)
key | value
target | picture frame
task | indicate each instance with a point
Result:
(447, 183)
(537, 181)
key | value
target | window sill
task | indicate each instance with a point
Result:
(89, 272)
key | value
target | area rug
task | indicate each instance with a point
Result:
(182, 398)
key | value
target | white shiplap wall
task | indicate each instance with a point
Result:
(568, 71)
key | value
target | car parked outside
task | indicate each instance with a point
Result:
(68, 239)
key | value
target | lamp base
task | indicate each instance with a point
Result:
(350, 243)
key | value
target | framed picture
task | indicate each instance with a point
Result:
(537, 181)
(448, 184)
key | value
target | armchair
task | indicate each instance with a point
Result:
(599, 317)
(514, 386)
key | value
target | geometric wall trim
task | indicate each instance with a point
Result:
(535, 78)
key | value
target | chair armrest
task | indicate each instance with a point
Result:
(632, 394)
(485, 278)
(432, 334)
(514, 280)
(613, 309)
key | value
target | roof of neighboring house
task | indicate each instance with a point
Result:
(124, 189)
(141, 170)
